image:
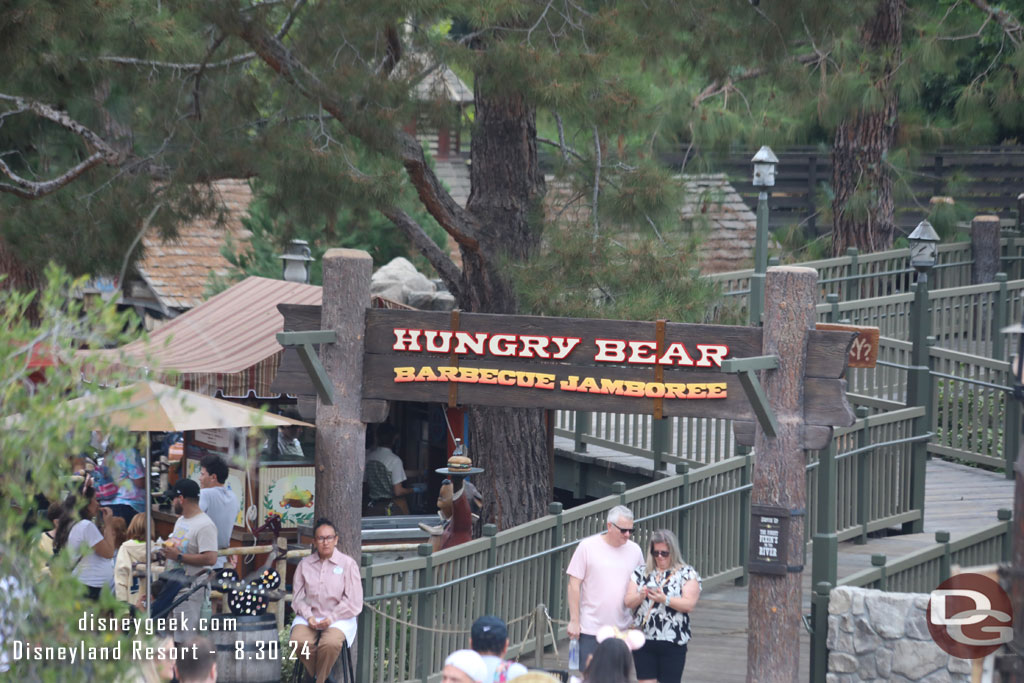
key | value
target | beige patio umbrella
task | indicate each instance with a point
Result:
(153, 407)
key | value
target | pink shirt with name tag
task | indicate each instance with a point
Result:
(327, 589)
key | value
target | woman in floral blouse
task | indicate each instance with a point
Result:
(662, 593)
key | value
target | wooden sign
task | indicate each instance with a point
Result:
(864, 350)
(581, 364)
(769, 539)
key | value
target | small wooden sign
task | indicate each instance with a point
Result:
(769, 539)
(864, 350)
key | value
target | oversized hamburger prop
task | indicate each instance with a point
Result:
(460, 527)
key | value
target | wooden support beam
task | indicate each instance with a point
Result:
(745, 369)
(779, 480)
(340, 430)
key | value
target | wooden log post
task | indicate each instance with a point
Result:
(774, 604)
(340, 431)
(986, 249)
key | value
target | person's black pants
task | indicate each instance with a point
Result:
(661, 660)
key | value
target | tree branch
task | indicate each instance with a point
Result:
(1011, 27)
(438, 258)
(717, 87)
(455, 220)
(102, 152)
(27, 189)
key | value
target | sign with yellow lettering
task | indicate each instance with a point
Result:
(577, 364)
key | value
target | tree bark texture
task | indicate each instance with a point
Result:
(774, 603)
(985, 248)
(507, 188)
(340, 431)
(863, 207)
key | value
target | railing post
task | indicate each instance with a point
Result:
(825, 550)
(555, 562)
(490, 531)
(1011, 433)
(854, 274)
(282, 568)
(581, 426)
(863, 439)
(748, 463)
(878, 560)
(1006, 515)
(539, 622)
(919, 393)
(659, 441)
(619, 487)
(819, 633)
(944, 561)
(999, 314)
(364, 637)
(425, 614)
(833, 301)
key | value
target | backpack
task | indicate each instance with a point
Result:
(501, 673)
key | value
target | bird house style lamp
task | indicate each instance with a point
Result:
(764, 167)
(924, 245)
(295, 261)
(1017, 366)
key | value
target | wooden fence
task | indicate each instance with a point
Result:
(923, 570)
(984, 179)
(857, 276)
(417, 610)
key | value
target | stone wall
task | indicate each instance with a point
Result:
(879, 636)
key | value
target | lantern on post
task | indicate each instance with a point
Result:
(295, 261)
(764, 177)
(924, 246)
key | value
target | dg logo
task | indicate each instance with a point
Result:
(970, 616)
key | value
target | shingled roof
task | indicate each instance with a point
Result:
(176, 271)
(728, 238)
(711, 206)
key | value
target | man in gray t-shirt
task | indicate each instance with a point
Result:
(217, 500)
(193, 545)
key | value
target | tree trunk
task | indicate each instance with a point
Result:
(863, 208)
(507, 188)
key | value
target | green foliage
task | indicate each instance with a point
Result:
(621, 275)
(34, 460)
(353, 226)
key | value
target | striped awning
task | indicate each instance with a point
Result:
(227, 344)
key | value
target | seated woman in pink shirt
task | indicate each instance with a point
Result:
(327, 598)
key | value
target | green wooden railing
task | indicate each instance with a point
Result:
(917, 572)
(419, 609)
(858, 276)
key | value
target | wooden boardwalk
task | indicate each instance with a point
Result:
(958, 499)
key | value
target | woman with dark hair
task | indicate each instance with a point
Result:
(327, 598)
(612, 662)
(663, 593)
(90, 543)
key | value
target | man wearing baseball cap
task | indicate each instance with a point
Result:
(192, 545)
(464, 666)
(489, 637)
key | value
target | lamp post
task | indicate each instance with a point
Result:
(923, 249)
(924, 245)
(295, 261)
(764, 177)
(1013, 580)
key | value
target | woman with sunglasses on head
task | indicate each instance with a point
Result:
(662, 594)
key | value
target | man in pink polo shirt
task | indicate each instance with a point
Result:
(598, 573)
(328, 596)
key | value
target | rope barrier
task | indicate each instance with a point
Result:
(410, 624)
